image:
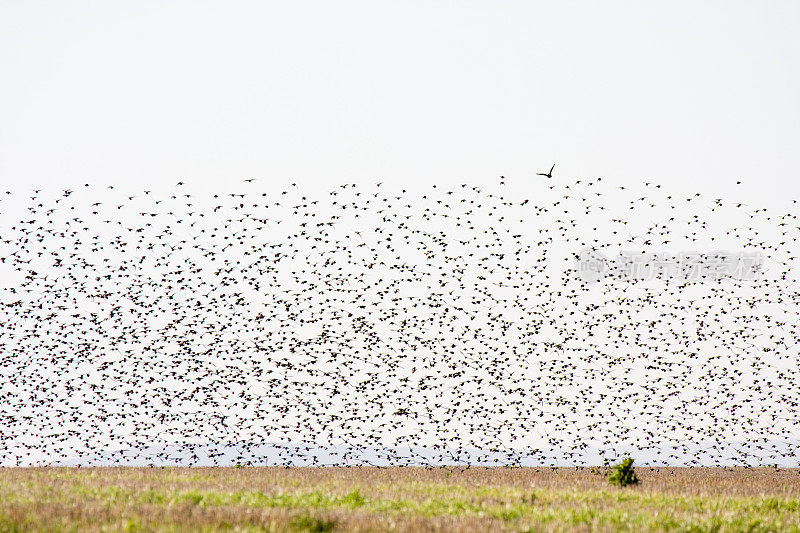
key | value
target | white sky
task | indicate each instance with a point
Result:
(695, 94)
(691, 95)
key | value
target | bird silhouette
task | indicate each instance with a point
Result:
(549, 173)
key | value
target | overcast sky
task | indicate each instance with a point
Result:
(689, 93)
(143, 94)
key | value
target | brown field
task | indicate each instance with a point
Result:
(396, 499)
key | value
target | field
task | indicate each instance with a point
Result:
(401, 499)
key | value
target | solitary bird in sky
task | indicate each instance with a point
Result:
(549, 174)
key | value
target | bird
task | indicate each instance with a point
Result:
(548, 174)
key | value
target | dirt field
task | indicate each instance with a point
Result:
(401, 499)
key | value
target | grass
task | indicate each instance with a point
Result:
(401, 499)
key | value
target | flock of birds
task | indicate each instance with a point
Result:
(377, 325)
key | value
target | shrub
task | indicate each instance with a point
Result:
(622, 474)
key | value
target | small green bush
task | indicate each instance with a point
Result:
(622, 474)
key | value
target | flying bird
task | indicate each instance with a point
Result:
(549, 174)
